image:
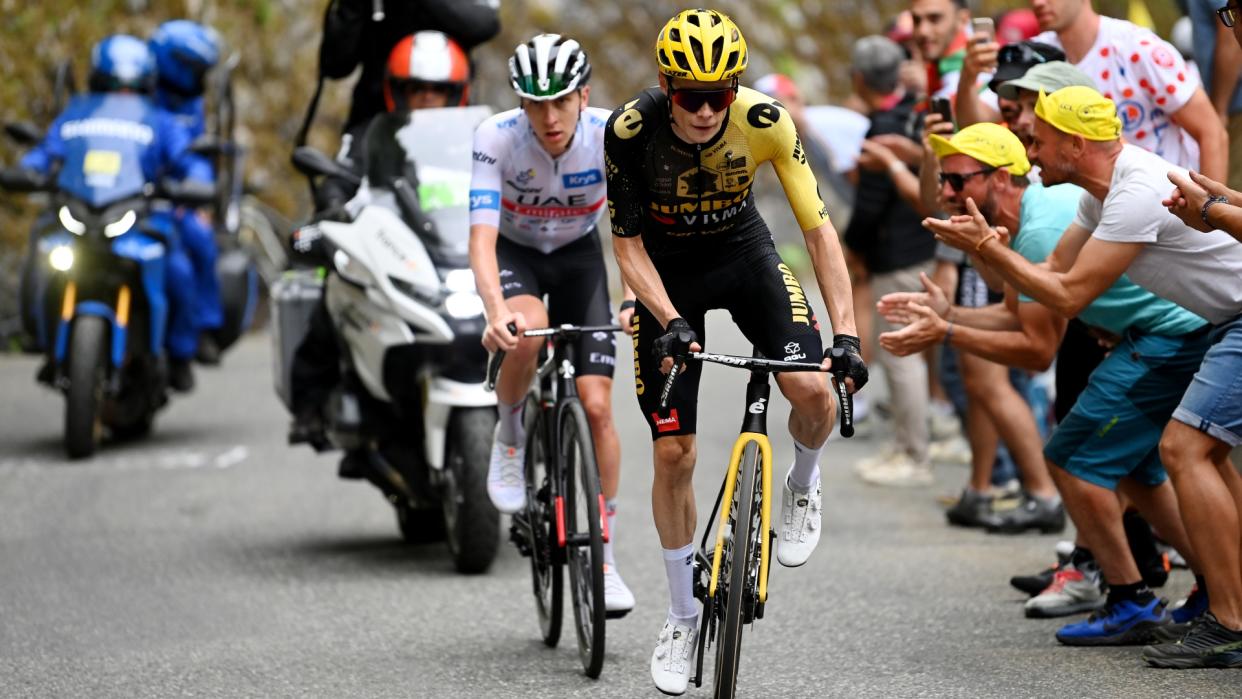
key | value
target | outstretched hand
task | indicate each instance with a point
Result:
(964, 231)
(1188, 196)
(895, 307)
(925, 329)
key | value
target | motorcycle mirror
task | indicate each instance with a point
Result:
(23, 132)
(309, 161)
(187, 192)
(18, 179)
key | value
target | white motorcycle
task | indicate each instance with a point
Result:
(403, 303)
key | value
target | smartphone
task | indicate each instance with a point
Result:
(982, 27)
(941, 106)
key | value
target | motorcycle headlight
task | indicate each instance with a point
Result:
(458, 280)
(70, 223)
(351, 269)
(121, 225)
(61, 258)
(464, 304)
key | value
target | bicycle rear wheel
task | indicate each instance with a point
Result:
(743, 572)
(545, 563)
(584, 535)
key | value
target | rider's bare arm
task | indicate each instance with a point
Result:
(832, 276)
(486, 268)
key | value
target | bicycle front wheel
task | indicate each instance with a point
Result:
(545, 564)
(743, 574)
(584, 535)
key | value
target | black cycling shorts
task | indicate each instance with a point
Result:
(575, 283)
(766, 303)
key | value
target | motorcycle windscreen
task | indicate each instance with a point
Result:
(105, 143)
(425, 158)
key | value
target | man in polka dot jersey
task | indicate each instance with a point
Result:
(1161, 103)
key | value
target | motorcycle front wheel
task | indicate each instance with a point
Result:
(84, 397)
(470, 519)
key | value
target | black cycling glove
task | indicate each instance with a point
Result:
(848, 363)
(675, 342)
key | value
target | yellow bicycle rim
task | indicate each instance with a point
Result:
(726, 502)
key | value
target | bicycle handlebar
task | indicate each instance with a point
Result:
(770, 366)
(564, 331)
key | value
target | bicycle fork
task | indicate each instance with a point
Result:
(754, 429)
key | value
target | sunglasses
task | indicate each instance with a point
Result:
(413, 87)
(1019, 53)
(957, 180)
(1228, 15)
(693, 100)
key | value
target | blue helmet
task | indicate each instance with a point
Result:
(120, 62)
(184, 52)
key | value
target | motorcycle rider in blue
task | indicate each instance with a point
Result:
(112, 141)
(184, 51)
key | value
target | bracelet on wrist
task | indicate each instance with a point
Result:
(1214, 199)
(993, 235)
(626, 305)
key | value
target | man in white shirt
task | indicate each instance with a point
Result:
(1162, 105)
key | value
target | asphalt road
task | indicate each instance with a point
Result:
(213, 560)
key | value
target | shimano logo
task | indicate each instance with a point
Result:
(582, 179)
(481, 157)
(115, 128)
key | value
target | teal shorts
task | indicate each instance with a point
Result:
(1114, 428)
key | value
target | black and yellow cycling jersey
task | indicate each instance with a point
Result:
(685, 198)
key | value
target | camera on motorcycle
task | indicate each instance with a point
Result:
(309, 161)
(187, 192)
(18, 179)
(23, 132)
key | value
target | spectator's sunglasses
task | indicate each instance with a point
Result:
(692, 101)
(1019, 53)
(957, 180)
(1228, 15)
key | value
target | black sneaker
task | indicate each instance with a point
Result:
(180, 375)
(1206, 644)
(973, 509)
(1037, 583)
(1033, 513)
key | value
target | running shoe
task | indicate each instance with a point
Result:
(1072, 591)
(1207, 644)
(1124, 623)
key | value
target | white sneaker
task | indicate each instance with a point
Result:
(901, 471)
(887, 453)
(955, 450)
(618, 600)
(671, 660)
(800, 520)
(506, 482)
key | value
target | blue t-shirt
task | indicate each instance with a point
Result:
(1045, 214)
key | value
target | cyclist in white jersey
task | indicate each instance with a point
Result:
(536, 194)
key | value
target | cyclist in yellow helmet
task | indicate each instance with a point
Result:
(680, 161)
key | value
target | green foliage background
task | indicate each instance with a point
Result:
(278, 40)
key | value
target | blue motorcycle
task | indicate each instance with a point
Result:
(101, 309)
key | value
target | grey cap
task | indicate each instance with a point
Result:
(878, 59)
(1049, 77)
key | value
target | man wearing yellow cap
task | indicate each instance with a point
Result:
(1123, 228)
(1087, 466)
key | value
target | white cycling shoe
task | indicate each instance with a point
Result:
(671, 662)
(800, 524)
(618, 600)
(506, 482)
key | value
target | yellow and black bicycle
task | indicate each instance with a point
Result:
(731, 576)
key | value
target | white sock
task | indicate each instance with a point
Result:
(805, 467)
(679, 565)
(512, 430)
(611, 512)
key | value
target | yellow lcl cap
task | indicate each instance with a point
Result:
(990, 144)
(1081, 111)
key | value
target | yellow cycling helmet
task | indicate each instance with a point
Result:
(701, 45)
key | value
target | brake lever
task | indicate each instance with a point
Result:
(493, 362)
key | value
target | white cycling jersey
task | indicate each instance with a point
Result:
(531, 198)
